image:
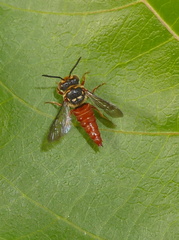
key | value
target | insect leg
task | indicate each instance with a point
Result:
(55, 103)
(97, 87)
(83, 78)
(58, 91)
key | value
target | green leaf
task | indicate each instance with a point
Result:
(168, 11)
(126, 189)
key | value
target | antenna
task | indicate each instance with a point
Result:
(52, 76)
(74, 66)
(69, 73)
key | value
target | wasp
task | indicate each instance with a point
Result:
(74, 102)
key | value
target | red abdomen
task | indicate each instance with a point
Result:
(85, 116)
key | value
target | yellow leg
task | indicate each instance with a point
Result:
(97, 87)
(56, 103)
(84, 78)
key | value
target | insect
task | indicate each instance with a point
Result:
(74, 102)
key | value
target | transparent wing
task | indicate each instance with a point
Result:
(109, 108)
(61, 124)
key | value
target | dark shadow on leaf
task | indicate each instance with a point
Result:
(105, 121)
(56, 95)
(46, 145)
(86, 136)
(43, 88)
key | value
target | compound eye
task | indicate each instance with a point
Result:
(64, 86)
(75, 79)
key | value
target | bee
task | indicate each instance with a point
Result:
(74, 102)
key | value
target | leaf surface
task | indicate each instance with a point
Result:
(127, 189)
